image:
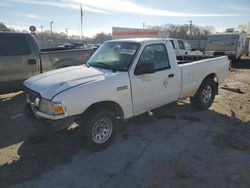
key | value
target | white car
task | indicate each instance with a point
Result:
(124, 78)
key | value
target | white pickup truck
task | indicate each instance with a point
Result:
(183, 48)
(124, 78)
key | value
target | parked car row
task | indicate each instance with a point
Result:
(231, 44)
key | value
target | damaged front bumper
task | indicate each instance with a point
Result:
(53, 122)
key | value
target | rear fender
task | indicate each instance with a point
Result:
(65, 63)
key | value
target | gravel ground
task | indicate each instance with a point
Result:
(177, 146)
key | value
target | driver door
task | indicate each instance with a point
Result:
(153, 90)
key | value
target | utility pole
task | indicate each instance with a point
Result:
(67, 29)
(78, 32)
(190, 28)
(51, 28)
(143, 25)
(81, 20)
(41, 28)
(248, 28)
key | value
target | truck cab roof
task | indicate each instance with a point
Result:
(141, 40)
(221, 34)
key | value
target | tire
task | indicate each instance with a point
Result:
(99, 129)
(205, 95)
(238, 59)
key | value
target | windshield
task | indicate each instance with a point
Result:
(114, 55)
(222, 42)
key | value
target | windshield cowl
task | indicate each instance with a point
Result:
(101, 64)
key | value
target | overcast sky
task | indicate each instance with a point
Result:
(101, 15)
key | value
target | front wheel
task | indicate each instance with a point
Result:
(205, 95)
(99, 129)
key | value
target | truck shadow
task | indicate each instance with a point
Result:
(41, 151)
(14, 127)
(244, 63)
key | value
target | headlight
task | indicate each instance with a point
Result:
(50, 108)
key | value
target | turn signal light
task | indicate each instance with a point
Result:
(58, 109)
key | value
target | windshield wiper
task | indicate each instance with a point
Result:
(107, 65)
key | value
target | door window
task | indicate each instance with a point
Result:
(172, 42)
(156, 54)
(181, 44)
(13, 45)
(187, 46)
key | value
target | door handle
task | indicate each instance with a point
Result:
(31, 61)
(171, 75)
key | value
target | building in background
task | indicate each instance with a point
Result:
(122, 32)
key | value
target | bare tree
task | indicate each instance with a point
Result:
(243, 28)
(102, 37)
(183, 31)
(3, 27)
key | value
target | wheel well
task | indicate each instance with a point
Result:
(107, 105)
(215, 78)
(212, 76)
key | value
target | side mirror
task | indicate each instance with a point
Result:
(145, 68)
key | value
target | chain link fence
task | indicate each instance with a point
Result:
(198, 44)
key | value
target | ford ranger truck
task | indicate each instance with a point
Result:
(124, 78)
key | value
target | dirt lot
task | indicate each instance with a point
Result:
(177, 146)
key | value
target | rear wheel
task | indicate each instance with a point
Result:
(205, 95)
(238, 59)
(99, 129)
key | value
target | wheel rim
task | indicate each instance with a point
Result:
(207, 94)
(102, 130)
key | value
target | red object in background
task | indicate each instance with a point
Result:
(153, 33)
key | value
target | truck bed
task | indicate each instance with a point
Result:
(63, 58)
(191, 58)
(194, 72)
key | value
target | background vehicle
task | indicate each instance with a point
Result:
(248, 49)
(230, 44)
(21, 58)
(124, 78)
(74, 45)
(66, 45)
(183, 48)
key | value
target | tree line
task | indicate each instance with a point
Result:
(184, 31)
(189, 32)
(57, 36)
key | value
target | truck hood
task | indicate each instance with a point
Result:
(51, 83)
